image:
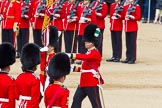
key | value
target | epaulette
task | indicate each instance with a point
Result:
(35, 75)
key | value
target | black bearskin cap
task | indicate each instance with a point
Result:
(30, 56)
(59, 66)
(92, 34)
(53, 36)
(7, 54)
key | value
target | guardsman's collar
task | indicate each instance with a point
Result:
(57, 82)
(3, 72)
(92, 48)
(29, 71)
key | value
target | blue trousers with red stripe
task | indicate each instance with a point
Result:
(91, 92)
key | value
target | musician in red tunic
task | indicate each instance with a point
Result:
(132, 13)
(90, 76)
(27, 82)
(7, 82)
(56, 94)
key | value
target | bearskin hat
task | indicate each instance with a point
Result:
(7, 54)
(92, 34)
(53, 36)
(30, 56)
(59, 66)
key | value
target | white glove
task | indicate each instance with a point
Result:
(72, 68)
(1, 17)
(98, 14)
(68, 54)
(128, 17)
(25, 16)
(131, 16)
(41, 14)
(44, 49)
(71, 20)
(36, 15)
(56, 15)
(114, 17)
(84, 20)
(68, 16)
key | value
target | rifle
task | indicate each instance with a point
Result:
(99, 6)
(57, 9)
(132, 8)
(73, 11)
(119, 8)
(41, 7)
(25, 8)
(88, 10)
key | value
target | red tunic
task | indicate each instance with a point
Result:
(72, 25)
(116, 24)
(91, 60)
(37, 21)
(24, 22)
(11, 12)
(58, 22)
(131, 25)
(29, 87)
(7, 91)
(56, 95)
(45, 59)
(101, 19)
(83, 25)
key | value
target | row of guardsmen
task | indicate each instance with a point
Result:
(19, 14)
(70, 17)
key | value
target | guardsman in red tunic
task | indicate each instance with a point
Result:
(37, 21)
(101, 12)
(7, 82)
(56, 94)
(90, 76)
(116, 27)
(71, 25)
(23, 36)
(87, 15)
(57, 14)
(10, 16)
(46, 54)
(132, 13)
(27, 82)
